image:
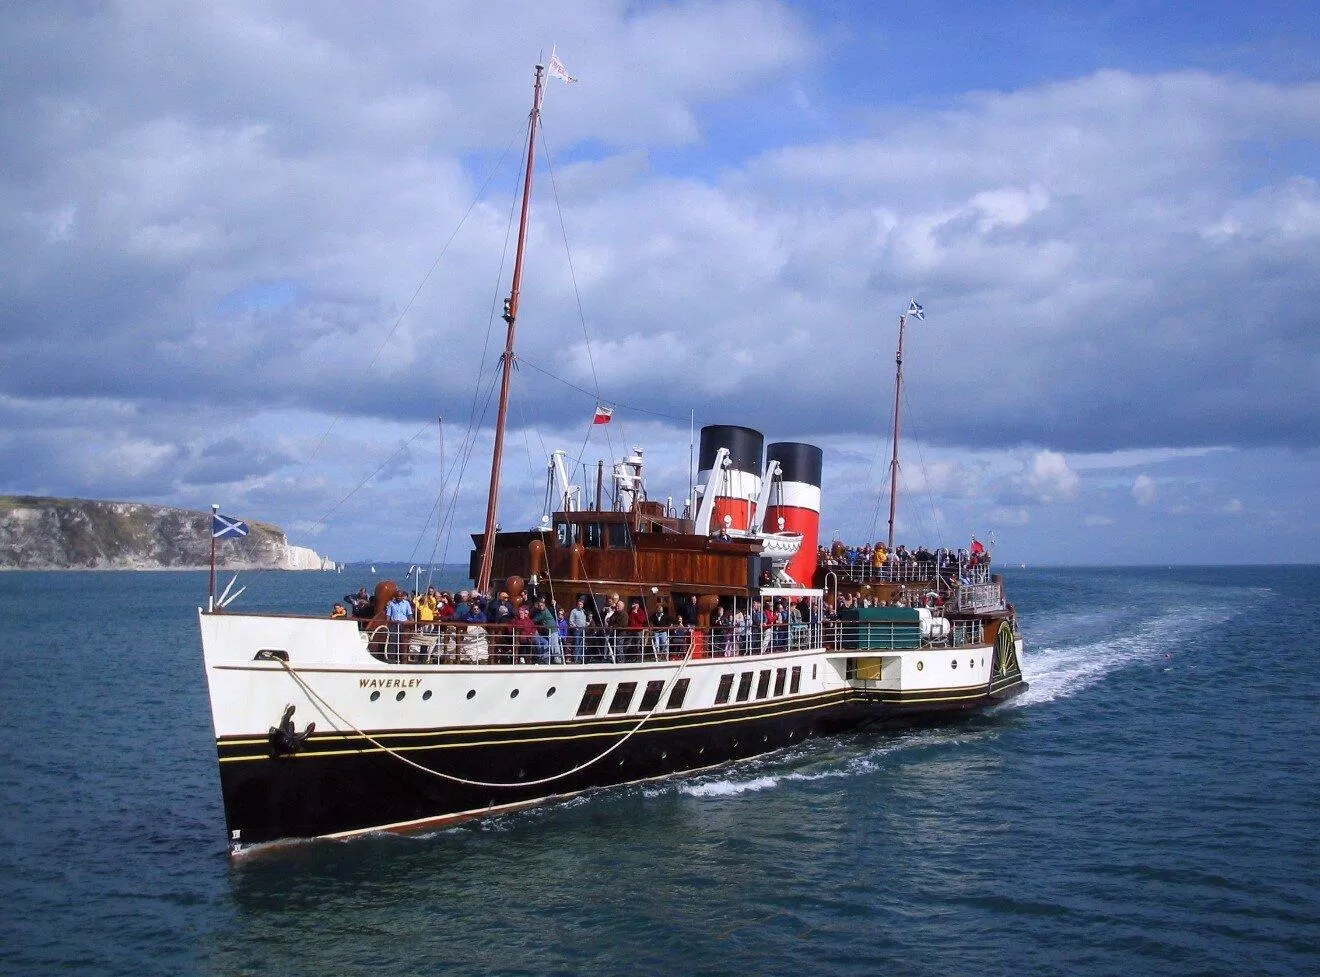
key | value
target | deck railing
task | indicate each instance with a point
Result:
(502, 644)
(946, 576)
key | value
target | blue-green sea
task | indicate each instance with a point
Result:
(1150, 806)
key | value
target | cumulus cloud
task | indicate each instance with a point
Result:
(1048, 479)
(1143, 490)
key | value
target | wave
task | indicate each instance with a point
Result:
(818, 761)
(1054, 671)
(1059, 671)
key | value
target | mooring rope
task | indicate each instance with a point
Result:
(325, 706)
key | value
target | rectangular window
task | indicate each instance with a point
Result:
(722, 693)
(620, 538)
(592, 536)
(591, 700)
(780, 675)
(679, 693)
(651, 696)
(744, 686)
(763, 684)
(795, 682)
(623, 696)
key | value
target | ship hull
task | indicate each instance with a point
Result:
(340, 786)
(316, 738)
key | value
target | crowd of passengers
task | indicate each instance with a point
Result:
(434, 626)
(425, 627)
(948, 565)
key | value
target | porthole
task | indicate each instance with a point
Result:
(399, 697)
(375, 696)
(920, 666)
(954, 663)
(472, 693)
(971, 663)
(513, 694)
(426, 695)
(549, 692)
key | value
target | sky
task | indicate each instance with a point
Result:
(254, 255)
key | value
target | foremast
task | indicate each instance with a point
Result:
(511, 318)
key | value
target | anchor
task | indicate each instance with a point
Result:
(285, 740)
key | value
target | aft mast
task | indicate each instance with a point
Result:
(510, 317)
(915, 311)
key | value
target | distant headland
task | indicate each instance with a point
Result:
(40, 533)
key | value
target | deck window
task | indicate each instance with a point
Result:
(744, 686)
(651, 696)
(763, 684)
(591, 536)
(722, 693)
(780, 675)
(591, 700)
(623, 696)
(620, 537)
(795, 680)
(679, 693)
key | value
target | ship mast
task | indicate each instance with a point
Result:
(510, 317)
(893, 465)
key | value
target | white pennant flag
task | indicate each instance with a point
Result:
(556, 69)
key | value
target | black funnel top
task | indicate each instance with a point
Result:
(798, 462)
(745, 447)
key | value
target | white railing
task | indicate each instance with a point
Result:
(976, 598)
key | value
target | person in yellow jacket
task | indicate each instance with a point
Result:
(425, 609)
(881, 556)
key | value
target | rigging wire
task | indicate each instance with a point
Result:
(365, 373)
(925, 475)
(469, 440)
(572, 386)
(577, 294)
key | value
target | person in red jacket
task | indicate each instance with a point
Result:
(636, 630)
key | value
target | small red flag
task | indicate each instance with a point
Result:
(603, 414)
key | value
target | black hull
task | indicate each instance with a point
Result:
(339, 785)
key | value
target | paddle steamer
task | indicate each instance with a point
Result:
(334, 727)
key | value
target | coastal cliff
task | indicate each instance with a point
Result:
(38, 533)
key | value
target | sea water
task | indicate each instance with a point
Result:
(1150, 806)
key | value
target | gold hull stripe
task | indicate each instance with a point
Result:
(843, 695)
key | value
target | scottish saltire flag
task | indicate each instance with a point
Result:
(603, 414)
(556, 68)
(916, 311)
(222, 526)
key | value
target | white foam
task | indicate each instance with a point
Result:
(729, 788)
(1056, 672)
(755, 779)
